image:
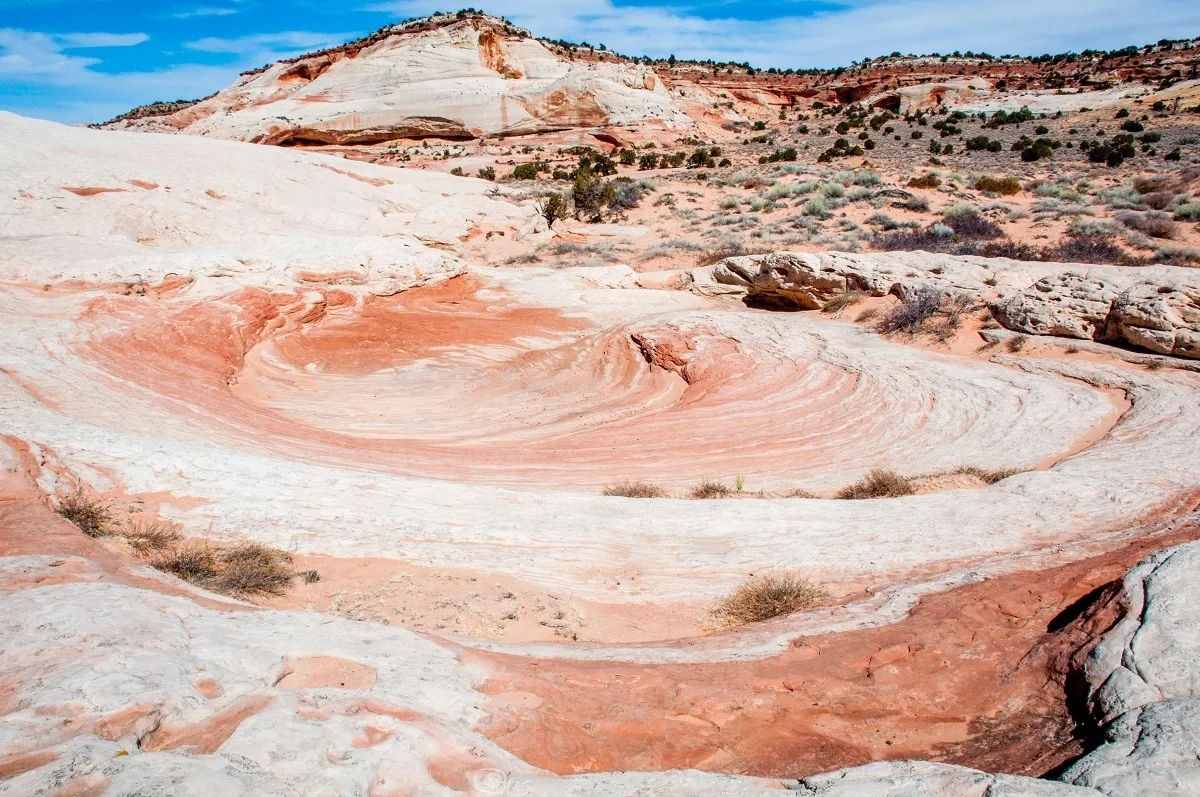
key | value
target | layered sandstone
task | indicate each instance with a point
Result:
(285, 349)
(446, 78)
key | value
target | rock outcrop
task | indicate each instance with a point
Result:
(132, 208)
(441, 77)
(1153, 308)
(1143, 692)
(924, 96)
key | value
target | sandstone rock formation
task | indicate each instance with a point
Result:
(924, 96)
(140, 209)
(443, 77)
(1153, 308)
(284, 350)
(1143, 686)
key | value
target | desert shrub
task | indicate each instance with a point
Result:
(722, 251)
(86, 511)
(526, 171)
(648, 161)
(1004, 186)
(626, 194)
(487, 173)
(867, 178)
(763, 597)
(928, 180)
(251, 568)
(632, 489)
(987, 476)
(1189, 211)
(833, 190)
(1154, 224)
(309, 576)
(916, 312)
(1131, 126)
(1085, 249)
(927, 240)
(1016, 343)
(842, 301)
(627, 157)
(554, 207)
(879, 483)
(1040, 149)
(147, 536)
(818, 206)
(1159, 200)
(917, 204)
(708, 488)
(984, 144)
(1010, 249)
(194, 561)
(970, 223)
(882, 220)
(458, 171)
(1112, 153)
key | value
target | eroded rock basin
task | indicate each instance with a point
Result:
(432, 439)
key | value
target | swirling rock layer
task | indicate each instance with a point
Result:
(276, 351)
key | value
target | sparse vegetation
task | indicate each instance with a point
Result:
(86, 511)
(709, 488)
(842, 301)
(771, 595)
(634, 489)
(879, 483)
(1004, 186)
(250, 568)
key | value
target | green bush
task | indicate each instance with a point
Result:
(526, 171)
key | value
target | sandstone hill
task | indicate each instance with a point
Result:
(444, 77)
(687, 449)
(472, 76)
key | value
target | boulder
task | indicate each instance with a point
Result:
(1070, 304)
(1161, 316)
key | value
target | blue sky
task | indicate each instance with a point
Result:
(87, 60)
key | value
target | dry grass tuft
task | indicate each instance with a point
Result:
(800, 492)
(843, 300)
(631, 489)
(986, 475)
(870, 314)
(192, 560)
(716, 255)
(244, 570)
(251, 568)
(711, 489)
(86, 511)
(1016, 343)
(310, 576)
(879, 483)
(146, 537)
(760, 598)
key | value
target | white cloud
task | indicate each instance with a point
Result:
(205, 11)
(74, 41)
(65, 87)
(851, 31)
